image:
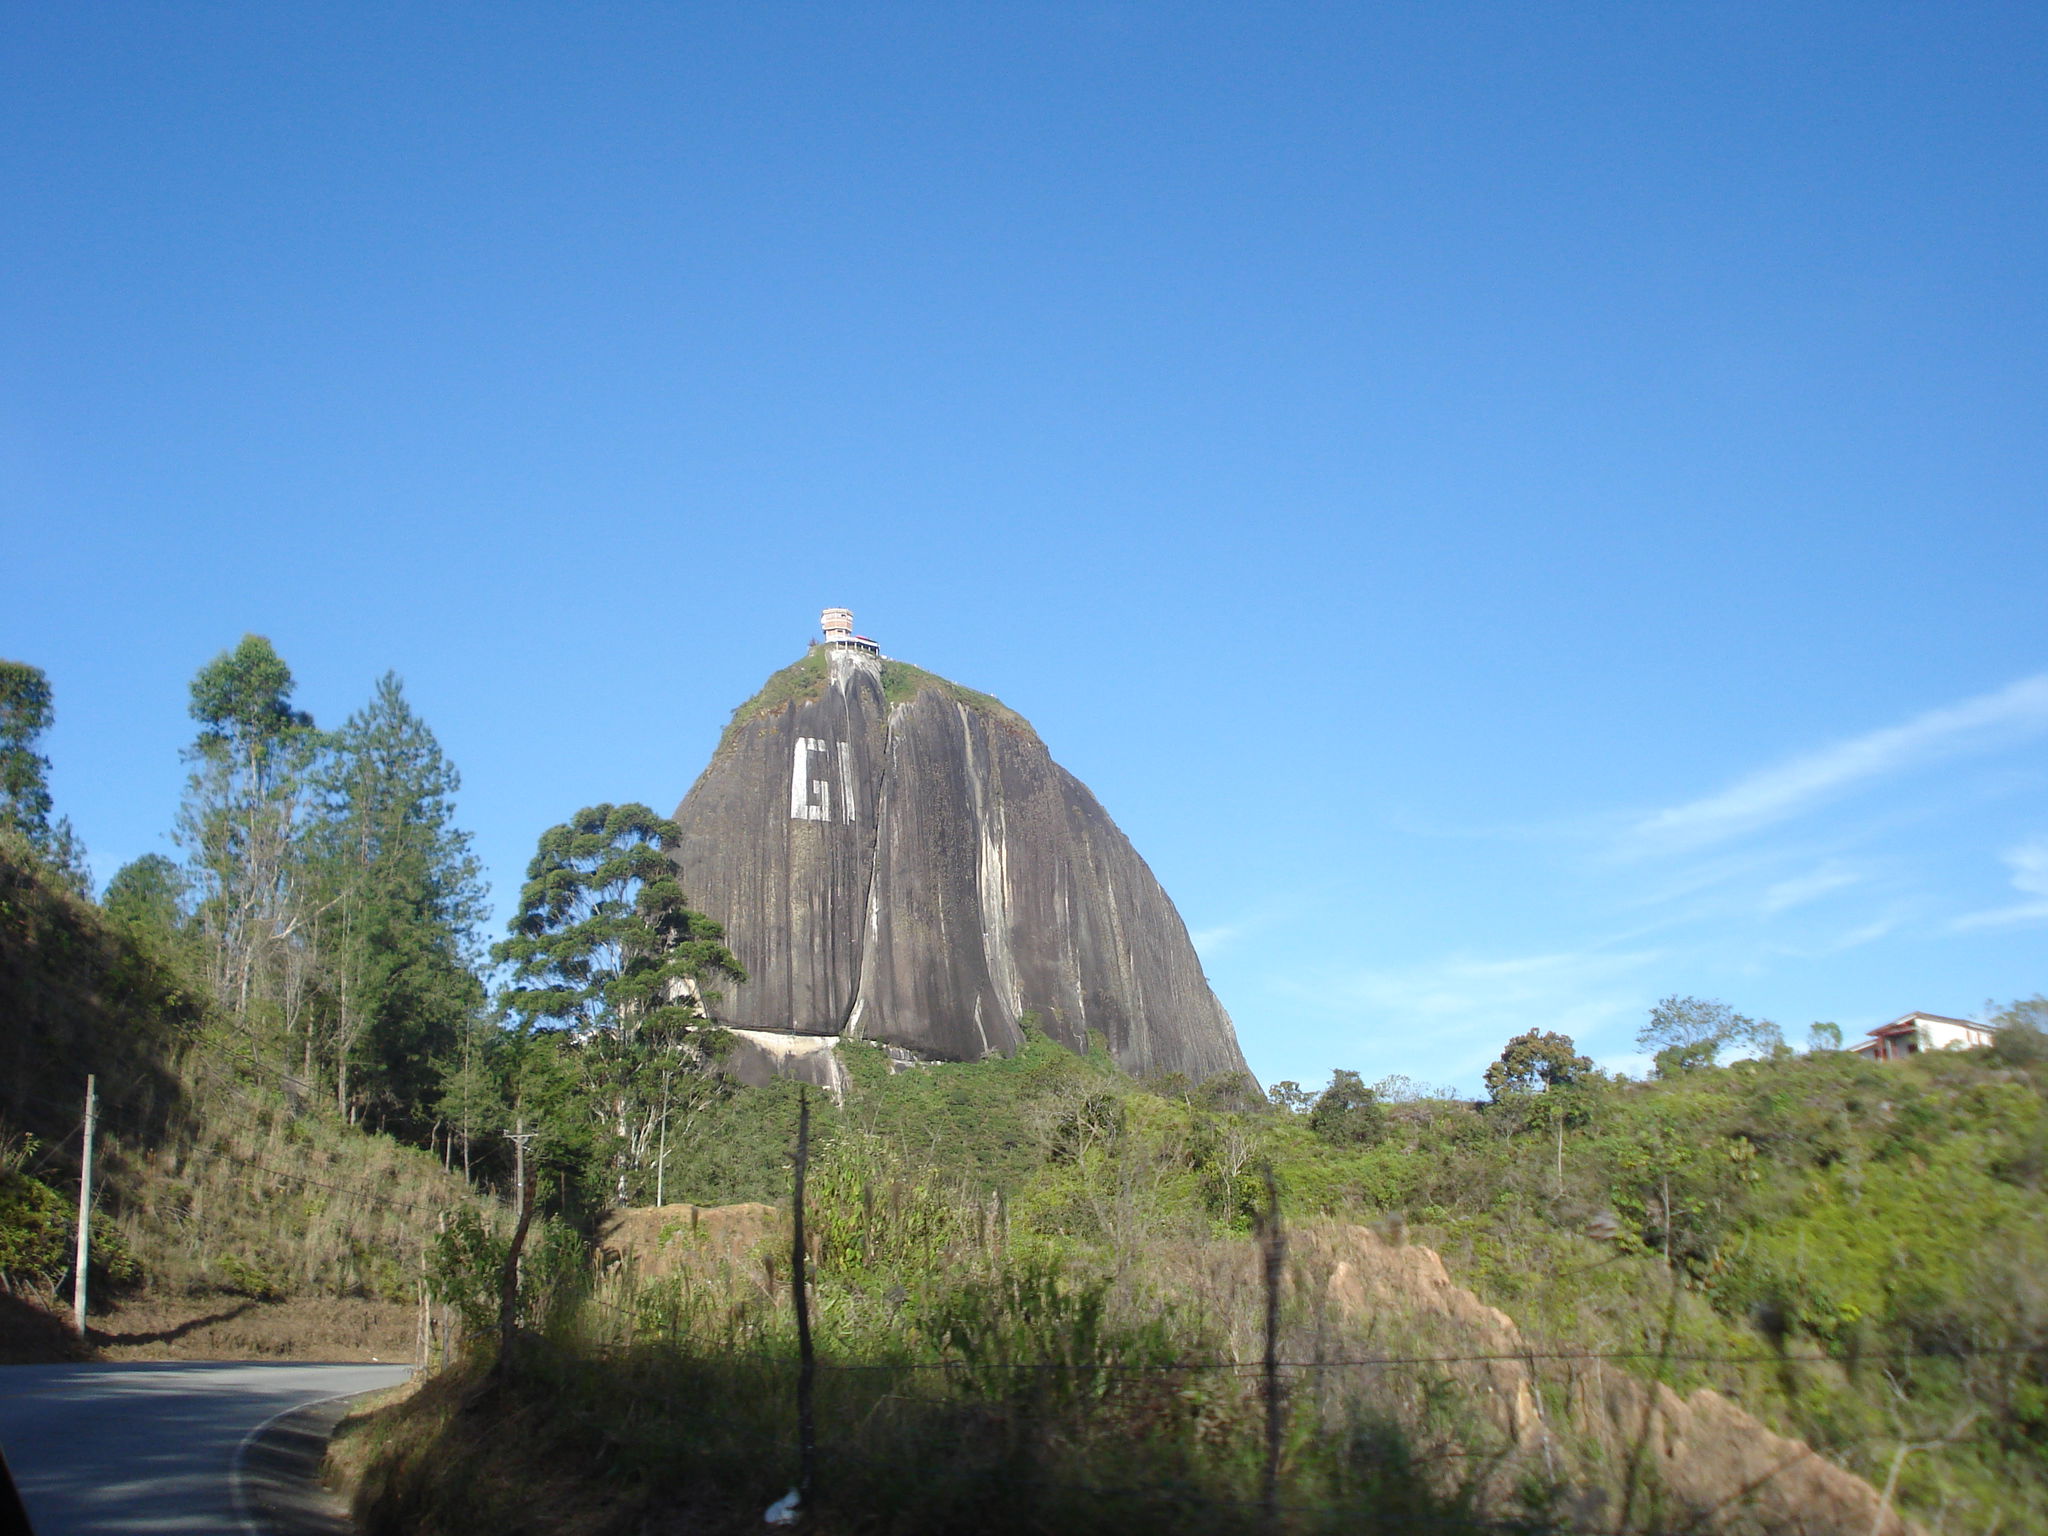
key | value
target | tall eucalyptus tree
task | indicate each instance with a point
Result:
(247, 803)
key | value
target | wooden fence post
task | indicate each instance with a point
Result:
(807, 1366)
(1273, 1242)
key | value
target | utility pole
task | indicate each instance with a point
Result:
(1557, 1122)
(519, 1137)
(508, 1280)
(92, 1109)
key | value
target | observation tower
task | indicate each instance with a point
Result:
(838, 626)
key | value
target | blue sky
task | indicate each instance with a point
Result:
(1517, 510)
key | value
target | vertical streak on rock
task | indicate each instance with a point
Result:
(994, 871)
(871, 896)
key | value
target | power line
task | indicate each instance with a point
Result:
(339, 1189)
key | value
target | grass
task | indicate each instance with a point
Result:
(214, 1179)
(671, 1439)
(1062, 1362)
(798, 683)
(79, 995)
(902, 682)
(157, 1326)
(1889, 1217)
(268, 1200)
(1070, 1405)
(989, 1117)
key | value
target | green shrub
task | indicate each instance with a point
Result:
(39, 1235)
(1348, 1113)
(466, 1267)
(37, 1228)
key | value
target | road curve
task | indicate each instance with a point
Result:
(150, 1447)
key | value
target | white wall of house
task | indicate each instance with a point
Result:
(1917, 1032)
(1952, 1034)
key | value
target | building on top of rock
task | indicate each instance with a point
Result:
(838, 626)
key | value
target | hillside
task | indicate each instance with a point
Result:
(1037, 1266)
(234, 1216)
(1796, 1293)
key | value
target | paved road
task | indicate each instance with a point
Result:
(148, 1448)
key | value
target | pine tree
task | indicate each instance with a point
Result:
(399, 896)
(150, 898)
(26, 711)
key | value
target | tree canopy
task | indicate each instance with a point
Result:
(1347, 1113)
(1535, 1062)
(399, 895)
(27, 710)
(25, 713)
(605, 950)
(603, 940)
(1686, 1033)
(241, 821)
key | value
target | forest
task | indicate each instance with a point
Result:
(1049, 1281)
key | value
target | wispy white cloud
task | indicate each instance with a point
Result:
(2029, 865)
(1801, 889)
(1264, 915)
(1458, 1010)
(1683, 881)
(1854, 938)
(1799, 783)
(1867, 933)
(1741, 892)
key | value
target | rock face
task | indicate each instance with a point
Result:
(898, 859)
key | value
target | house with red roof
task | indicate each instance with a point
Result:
(1917, 1032)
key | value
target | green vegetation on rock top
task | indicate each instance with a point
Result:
(901, 682)
(798, 683)
(804, 680)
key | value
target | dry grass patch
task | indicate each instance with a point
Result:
(229, 1327)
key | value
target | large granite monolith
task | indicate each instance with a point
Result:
(899, 859)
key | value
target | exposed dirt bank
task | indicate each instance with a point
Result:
(654, 1241)
(603, 1440)
(213, 1327)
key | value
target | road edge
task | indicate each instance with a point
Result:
(275, 1474)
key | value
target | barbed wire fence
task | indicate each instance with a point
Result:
(1279, 1379)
